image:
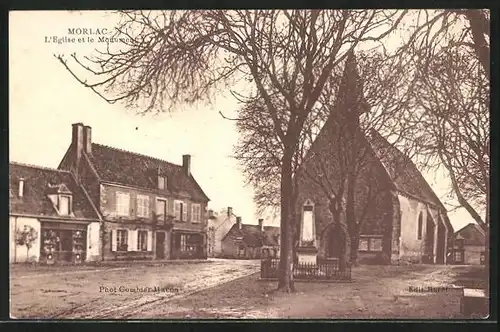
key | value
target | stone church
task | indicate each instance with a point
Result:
(398, 215)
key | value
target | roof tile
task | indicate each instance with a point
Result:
(39, 182)
(128, 168)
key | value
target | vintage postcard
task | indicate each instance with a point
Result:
(249, 164)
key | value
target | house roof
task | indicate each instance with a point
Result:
(133, 169)
(39, 183)
(252, 236)
(472, 234)
(401, 170)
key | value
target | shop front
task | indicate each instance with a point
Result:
(63, 242)
(188, 245)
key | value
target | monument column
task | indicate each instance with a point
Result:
(307, 250)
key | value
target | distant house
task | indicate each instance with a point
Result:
(151, 208)
(251, 241)
(58, 209)
(403, 219)
(218, 225)
(469, 245)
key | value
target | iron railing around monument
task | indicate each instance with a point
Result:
(323, 271)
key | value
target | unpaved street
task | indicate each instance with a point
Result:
(114, 292)
(376, 292)
(231, 289)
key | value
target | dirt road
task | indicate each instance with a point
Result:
(114, 292)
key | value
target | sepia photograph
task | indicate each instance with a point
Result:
(249, 164)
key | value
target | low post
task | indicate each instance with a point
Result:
(474, 303)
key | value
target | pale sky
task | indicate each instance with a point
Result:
(45, 100)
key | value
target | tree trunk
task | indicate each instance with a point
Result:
(354, 249)
(351, 218)
(478, 23)
(340, 235)
(285, 275)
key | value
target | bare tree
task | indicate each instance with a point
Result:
(429, 30)
(448, 56)
(172, 58)
(453, 125)
(260, 153)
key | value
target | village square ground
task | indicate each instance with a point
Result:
(226, 289)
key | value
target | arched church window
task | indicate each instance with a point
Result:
(420, 221)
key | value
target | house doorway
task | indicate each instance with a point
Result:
(160, 245)
(441, 249)
(429, 241)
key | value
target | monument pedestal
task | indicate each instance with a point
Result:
(307, 255)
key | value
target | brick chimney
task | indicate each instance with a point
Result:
(238, 222)
(87, 139)
(186, 164)
(77, 143)
(77, 139)
(261, 225)
(229, 211)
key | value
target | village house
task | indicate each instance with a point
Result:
(50, 204)
(150, 208)
(400, 217)
(469, 245)
(219, 224)
(251, 241)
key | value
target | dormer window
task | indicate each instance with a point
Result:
(64, 205)
(62, 199)
(162, 182)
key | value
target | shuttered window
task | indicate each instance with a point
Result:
(142, 240)
(121, 240)
(195, 213)
(143, 206)
(161, 209)
(180, 211)
(122, 207)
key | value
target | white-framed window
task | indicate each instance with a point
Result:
(376, 244)
(371, 243)
(161, 208)
(180, 210)
(142, 240)
(196, 213)
(121, 240)
(142, 205)
(162, 182)
(122, 206)
(363, 245)
(64, 205)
